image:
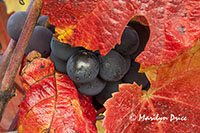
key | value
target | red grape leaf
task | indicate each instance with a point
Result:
(67, 13)
(175, 91)
(174, 26)
(52, 102)
(87, 107)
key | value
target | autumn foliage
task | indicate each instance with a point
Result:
(52, 102)
(170, 61)
(174, 25)
(174, 94)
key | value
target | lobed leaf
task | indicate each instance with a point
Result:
(66, 13)
(174, 25)
(52, 102)
(170, 105)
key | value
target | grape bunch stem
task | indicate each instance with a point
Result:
(11, 64)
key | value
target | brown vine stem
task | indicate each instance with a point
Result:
(7, 91)
(6, 57)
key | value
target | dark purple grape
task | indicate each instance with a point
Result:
(110, 88)
(59, 64)
(91, 88)
(62, 50)
(43, 20)
(40, 41)
(129, 42)
(143, 33)
(112, 66)
(16, 23)
(83, 67)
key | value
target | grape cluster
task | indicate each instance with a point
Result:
(93, 74)
(41, 36)
(96, 75)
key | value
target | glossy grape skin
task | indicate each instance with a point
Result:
(91, 88)
(110, 88)
(62, 50)
(59, 64)
(129, 42)
(112, 66)
(16, 23)
(83, 67)
(40, 41)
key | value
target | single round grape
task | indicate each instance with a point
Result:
(43, 20)
(143, 33)
(91, 88)
(110, 88)
(112, 66)
(16, 23)
(83, 67)
(62, 50)
(59, 64)
(134, 76)
(40, 41)
(129, 42)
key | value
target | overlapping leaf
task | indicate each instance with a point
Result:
(52, 102)
(87, 108)
(66, 13)
(174, 92)
(174, 25)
